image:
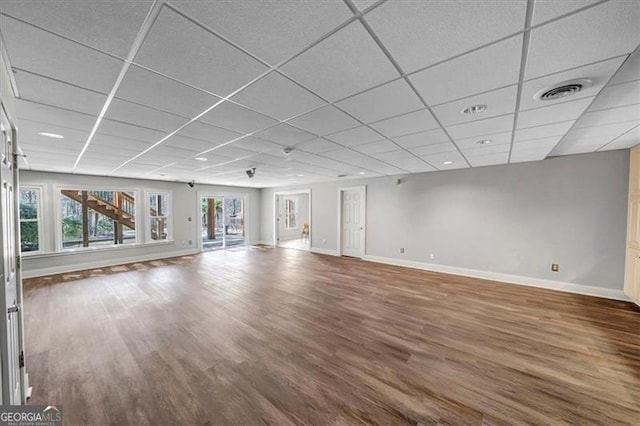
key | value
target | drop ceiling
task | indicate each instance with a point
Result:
(182, 90)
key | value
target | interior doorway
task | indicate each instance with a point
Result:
(292, 219)
(222, 222)
(352, 205)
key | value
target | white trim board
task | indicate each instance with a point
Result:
(103, 264)
(506, 278)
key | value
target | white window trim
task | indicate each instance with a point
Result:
(58, 216)
(169, 216)
(40, 219)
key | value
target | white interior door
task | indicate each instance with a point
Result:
(9, 301)
(352, 219)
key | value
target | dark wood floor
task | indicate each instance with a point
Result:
(278, 336)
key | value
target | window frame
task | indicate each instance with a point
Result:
(40, 219)
(288, 214)
(57, 194)
(168, 216)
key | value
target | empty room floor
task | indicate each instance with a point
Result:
(273, 336)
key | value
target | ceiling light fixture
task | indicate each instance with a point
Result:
(484, 142)
(361, 173)
(474, 109)
(51, 135)
(447, 163)
(287, 150)
(202, 159)
(562, 90)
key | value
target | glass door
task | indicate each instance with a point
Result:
(222, 222)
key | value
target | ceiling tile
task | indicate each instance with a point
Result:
(129, 131)
(556, 129)
(405, 160)
(73, 138)
(629, 71)
(285, 135)
(522, 156)
(324, 121)
(412, 122)
(197, 57)
(388, 100)
(102, 144)
(373, 164)
(235, 117)
(363, 4)
(153, 90)
(438, 160)
(131, 113)
(346, 63)
(483, 150)
(376, 147)
(342, 154)
(422, 138)
(627, 140)
(489, 159)
(618, 95)
(50, 115)
(108, 26)
(615, 129)
(546, 10)
(318, 146)
(601, 32)
(403, 25)
(598, 73)
(498, 102)
(356, 136)
(209, 133)
(278, 97)
(436, 148)
(565, 111)
(40, 52)
(479, 71)
(610, 116)
(482, 127)
(254, 144)
(495, 138)
(537, 144)
(52, 92)
(183, 142)
(589, 145)
(278, 29)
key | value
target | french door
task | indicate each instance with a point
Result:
(223, 222)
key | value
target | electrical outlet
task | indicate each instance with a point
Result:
(190, 242)
(555, 267)
(402, 250)
(432, 256)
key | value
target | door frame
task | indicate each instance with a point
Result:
(24, 389)
(212, 194)
(363, 236)
(276, 228)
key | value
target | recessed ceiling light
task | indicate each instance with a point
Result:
(484, 142)
(562, 90)
(202, 159)
(361, 173)
(474, 109)
(51, 135)
(447, 163)
(300, 175)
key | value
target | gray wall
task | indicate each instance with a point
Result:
(185, 204)
(513, 219)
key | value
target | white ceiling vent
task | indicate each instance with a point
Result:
(561, 90)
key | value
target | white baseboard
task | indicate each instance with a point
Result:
(324, 251)
(261, 242)
(33, 273)
(507, 278)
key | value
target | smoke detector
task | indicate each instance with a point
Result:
(562, 90)
(287, 150)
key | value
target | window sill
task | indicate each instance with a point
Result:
(94, 250)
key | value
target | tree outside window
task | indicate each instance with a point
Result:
(29, 220)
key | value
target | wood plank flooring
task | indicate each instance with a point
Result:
(277, 336)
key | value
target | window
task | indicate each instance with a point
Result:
(30, 240)
(158, 216)
(290, 213)
(92, 218)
